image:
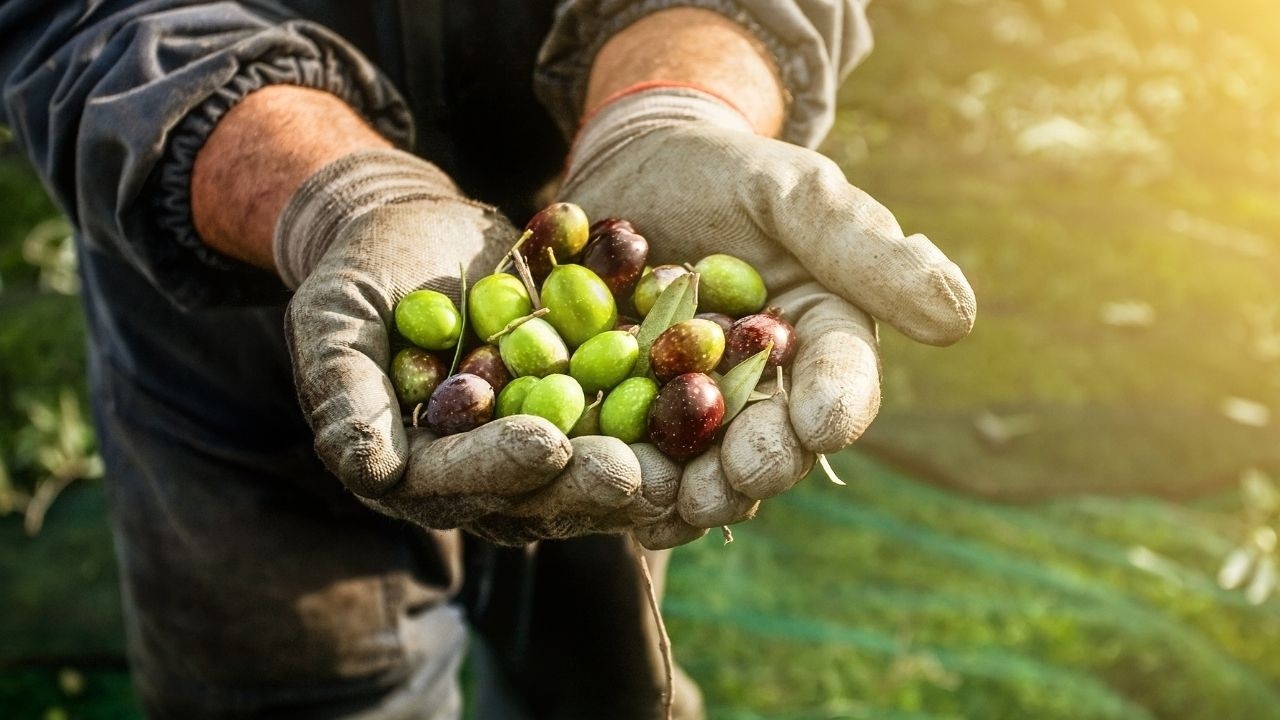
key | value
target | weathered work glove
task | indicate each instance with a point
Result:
(688, 170)
(358, 235)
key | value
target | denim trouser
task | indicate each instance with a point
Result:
(255, 585)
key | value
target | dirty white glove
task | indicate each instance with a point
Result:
(692, 176)
(361, 233)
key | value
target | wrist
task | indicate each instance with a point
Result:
(341, 191)
(696, 48)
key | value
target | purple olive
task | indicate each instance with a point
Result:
(563, 228)
(611, 223)
(486, 361)
(753, 333)
(462, 402)
(617, 254)
(685, 416)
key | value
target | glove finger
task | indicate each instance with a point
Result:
(835, 376)
(668, 532)
(854, 246)
(659, 485)
(761, 455)
(452, 481)
(600, 479)
(338, 341)
(706, 499)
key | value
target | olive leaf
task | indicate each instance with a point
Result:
(462, 333)
(677, 303)
(740, 382)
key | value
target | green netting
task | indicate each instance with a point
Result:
(891, 595)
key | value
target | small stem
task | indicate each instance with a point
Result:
(781, 388)
(550, 252)
(688, 267)
(502, 264)
(526, 277)
(727, 533)
(826, 468)
(515, 324)
(416, 409)
(664, 640)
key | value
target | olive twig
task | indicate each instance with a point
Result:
(526, 277)
(515, 250)
(515, 324)
(664, 640)
(826, 468)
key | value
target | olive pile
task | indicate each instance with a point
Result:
(555, 346)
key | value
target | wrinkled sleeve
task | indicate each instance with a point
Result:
(111, 100)
(815, 43)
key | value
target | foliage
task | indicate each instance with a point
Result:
(46, 442)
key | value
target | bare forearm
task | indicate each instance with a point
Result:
(260, 152)
(697, 47)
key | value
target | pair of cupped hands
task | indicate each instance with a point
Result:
(695, 179)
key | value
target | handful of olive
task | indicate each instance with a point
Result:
(549, 340)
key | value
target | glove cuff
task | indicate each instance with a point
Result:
(342, 191)
(635, 112)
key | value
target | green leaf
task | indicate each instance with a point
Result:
(676, 304)
(740, 382)
(462, 334)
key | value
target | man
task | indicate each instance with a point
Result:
(221, 160)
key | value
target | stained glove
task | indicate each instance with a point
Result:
(690, 173)
(361, 233)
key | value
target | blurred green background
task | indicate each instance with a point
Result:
(1071, 514)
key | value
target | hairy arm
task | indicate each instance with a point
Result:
(259, 154)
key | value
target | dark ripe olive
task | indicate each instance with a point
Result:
(752, 333)
(611, 223)
(685, 416)
(692, 346)
(462, 402)
(652, 284)
(724, 321)
(627, 324)
(617, 255)
(563, 228)
(415, 374)
(486, 361)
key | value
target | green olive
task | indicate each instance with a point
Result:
(604, 361)
(535, 349)
(429, 320)
(729, 285)
(625, 413)
(496, 300)
(557, 398)
(652, 284)
(512, 396)
(579, 303)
